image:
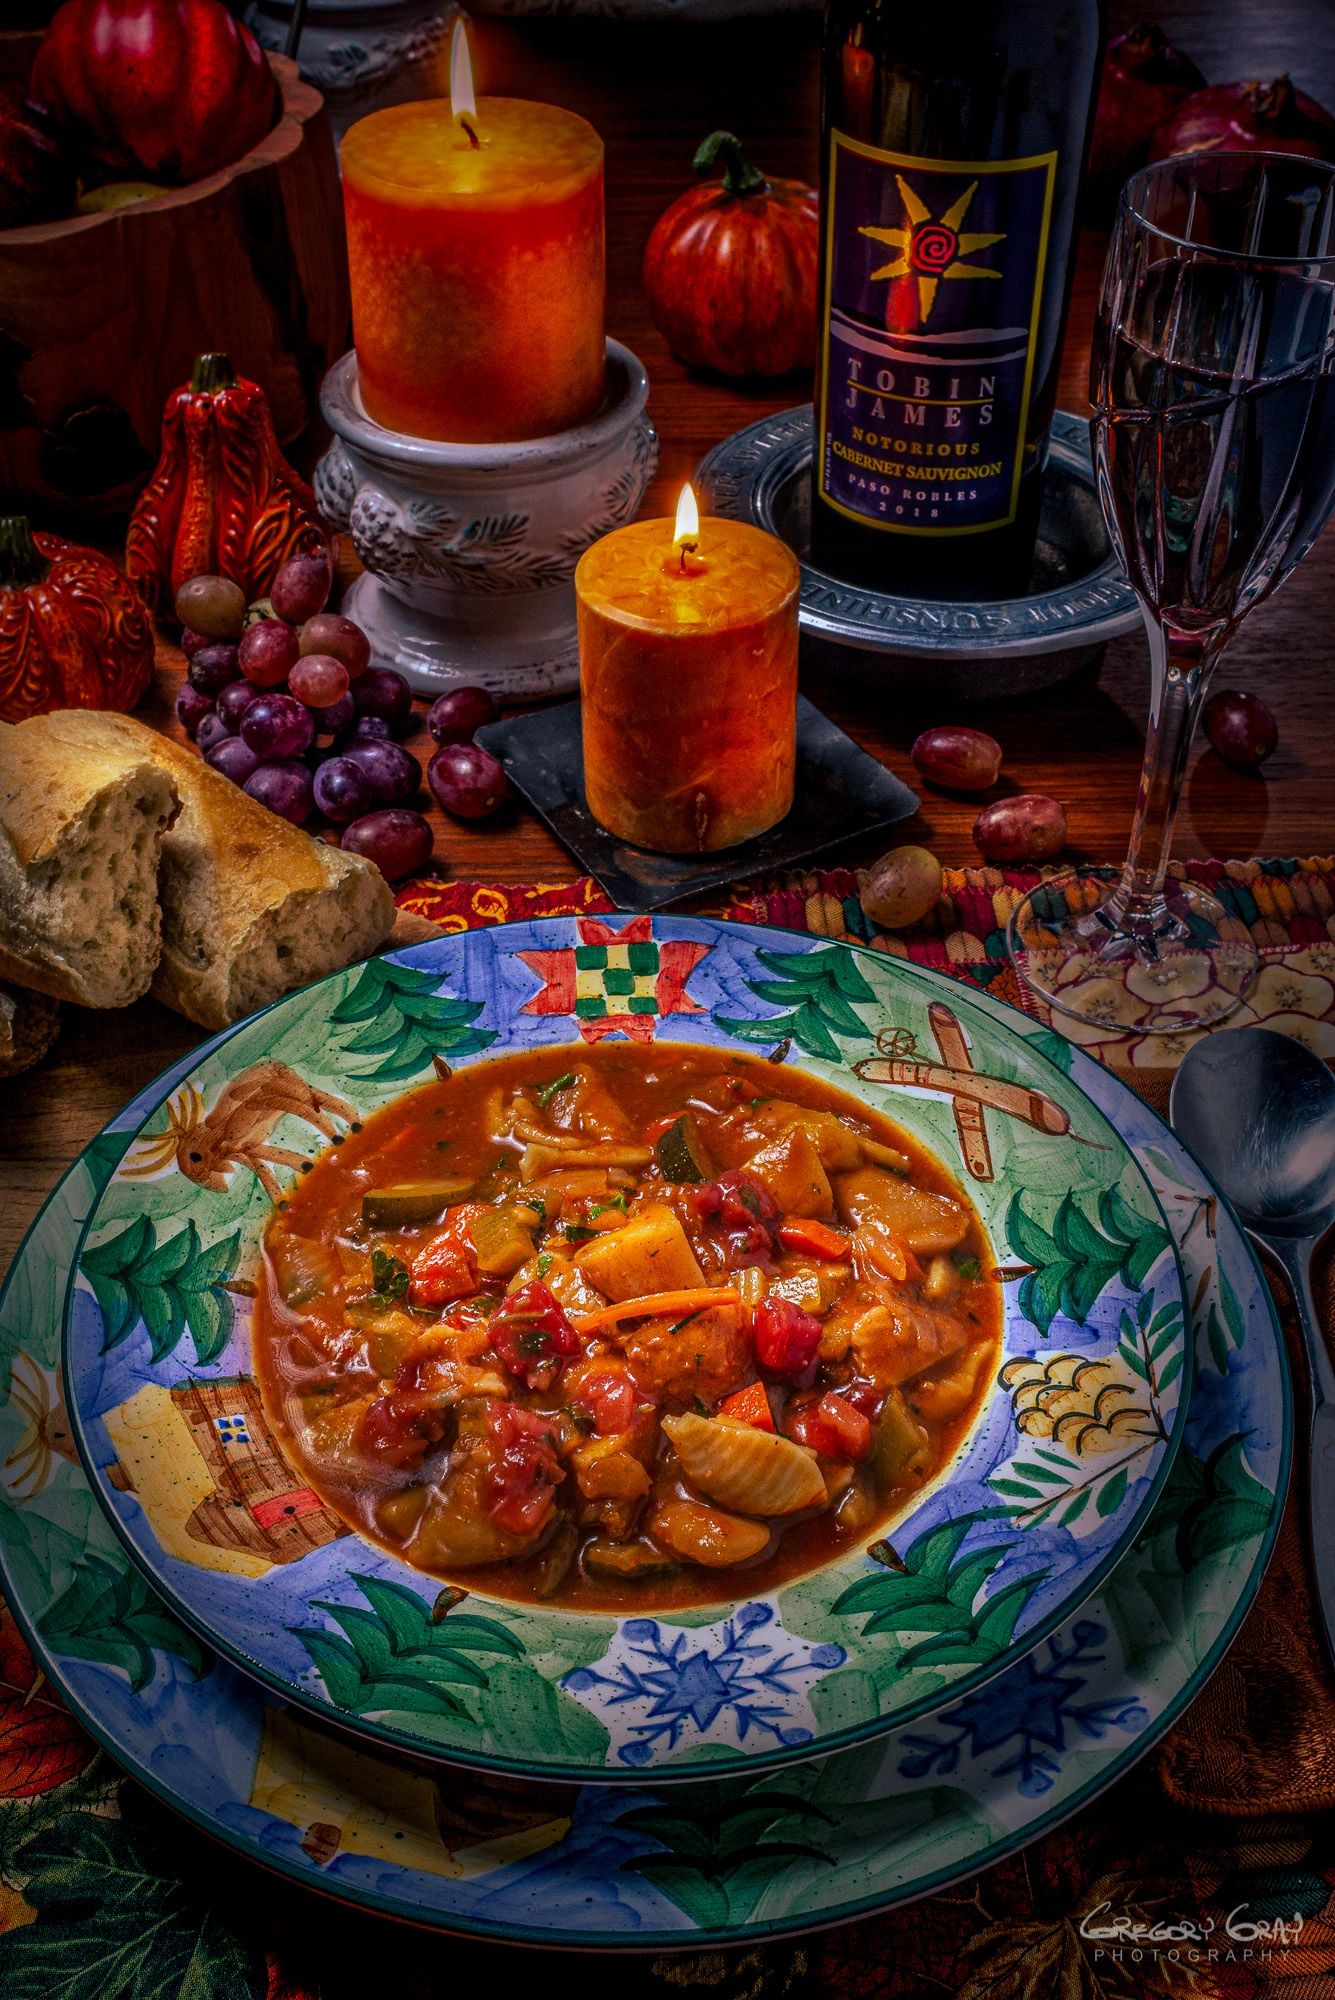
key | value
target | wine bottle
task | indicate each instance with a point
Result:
(953, 137)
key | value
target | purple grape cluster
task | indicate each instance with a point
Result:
(281, 698)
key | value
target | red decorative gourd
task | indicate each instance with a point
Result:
(730, 269)
(73, 632)
(223, 500)
(170, 89)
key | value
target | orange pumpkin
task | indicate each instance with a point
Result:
(223, 500)
(730, 268)
(73, 632)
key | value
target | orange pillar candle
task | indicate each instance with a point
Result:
(688, 681)
(475, 248)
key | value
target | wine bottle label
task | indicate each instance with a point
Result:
(933, 282)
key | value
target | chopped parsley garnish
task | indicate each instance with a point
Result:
(968, 1267)
(389, 1278)
(544, 1263)
(617, 1201)
(549, 1090)
(577, 1232)
(686, 1322)
(538, 1203)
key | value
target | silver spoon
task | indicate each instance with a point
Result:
(1258, 1110)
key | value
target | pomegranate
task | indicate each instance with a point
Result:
(1145, 79)
(1248, 118)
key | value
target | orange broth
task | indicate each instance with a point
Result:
(580, 1451)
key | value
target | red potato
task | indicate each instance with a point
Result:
(957, 759)
(1027, 827)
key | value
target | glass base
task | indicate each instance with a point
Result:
(1183, 963)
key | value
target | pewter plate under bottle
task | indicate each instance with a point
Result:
(1078, 597)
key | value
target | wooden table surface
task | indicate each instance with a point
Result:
(654, 90)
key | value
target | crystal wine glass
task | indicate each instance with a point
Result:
(1213, 388)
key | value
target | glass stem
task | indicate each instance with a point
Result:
(1180, 668)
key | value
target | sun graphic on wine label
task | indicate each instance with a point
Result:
(932, 248)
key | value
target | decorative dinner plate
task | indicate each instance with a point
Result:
(724, 1861)
(1038, 1501)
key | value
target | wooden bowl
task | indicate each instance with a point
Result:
(101, 316)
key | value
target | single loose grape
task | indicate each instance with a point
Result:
(902, 887)
(1240, 728)
(467, 781)
(957, 759)
(213, 605)
(1028, 827)
(398, 841)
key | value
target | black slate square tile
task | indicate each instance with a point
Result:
(841, 791)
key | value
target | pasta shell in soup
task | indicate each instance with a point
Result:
(749, 1471)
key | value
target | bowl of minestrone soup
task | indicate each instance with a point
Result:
(596, 1347)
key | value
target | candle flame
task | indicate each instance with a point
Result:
(463, 104)
(687, 531)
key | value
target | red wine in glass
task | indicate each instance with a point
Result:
(1214, 447)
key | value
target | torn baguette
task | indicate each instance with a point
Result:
(251, 906)
(82, 821)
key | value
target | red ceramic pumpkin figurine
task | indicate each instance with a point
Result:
(170, 89)
(223, 500)
(730, 269)
(73, 633)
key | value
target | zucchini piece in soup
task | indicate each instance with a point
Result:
(409, 1202)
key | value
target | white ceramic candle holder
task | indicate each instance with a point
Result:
(470, 549)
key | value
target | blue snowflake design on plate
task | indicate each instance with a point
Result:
(1036, 1703)
(708, 1683)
